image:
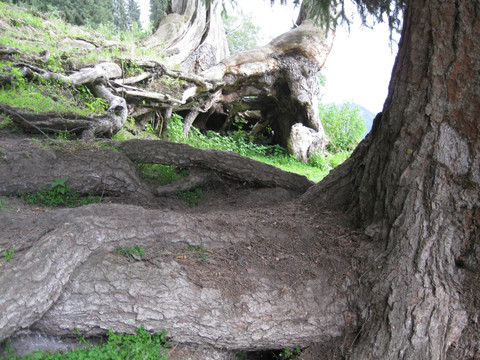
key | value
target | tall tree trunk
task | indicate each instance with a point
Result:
(191, 34)
(414, 183)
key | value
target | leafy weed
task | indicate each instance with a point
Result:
(192, 197)
(131, 252)
(59, 194)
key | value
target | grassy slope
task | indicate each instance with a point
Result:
(72, 47)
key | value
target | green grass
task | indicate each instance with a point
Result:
(41, 96)
(317, 168)
(131, 252)
(160, 174)
(192, 197)
(8, 254)
(141, 346)
(59, 194)
(45, 97)
(240, 143)
(31, 34)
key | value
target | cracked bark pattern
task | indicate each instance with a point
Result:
(72, 279)
(414, 184)
(90, 169)
(226, 163)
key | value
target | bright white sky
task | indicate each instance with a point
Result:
(359, 67)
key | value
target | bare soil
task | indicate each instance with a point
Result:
(300, 242)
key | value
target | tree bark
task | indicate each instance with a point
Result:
(191, 35)
(90, 169)
(414, 184)
(279, 79)
(226, 163)
(30, 167)
(71, 278)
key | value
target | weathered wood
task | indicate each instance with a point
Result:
(282, 79)
(191, 35)
(226, 163)
(71, 278)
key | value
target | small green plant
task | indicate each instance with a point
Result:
(134, 252)
(199, 251)
(19, 81)
(131, 69)
(288, 354)
(160, 174)
(123, 135)
(336, 159)
(4, 205)
(96, 105)
(318, 160)
(6, 122)
(149, 127)
(175, 129)
(65, 135)
(192, 197)
(9, 254)
(139, 346)
(59, 194)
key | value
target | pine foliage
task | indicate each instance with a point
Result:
(87, 12)
(122, 13)
(330, 13)
(157, 10)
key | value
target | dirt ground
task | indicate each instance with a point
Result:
(303, 241)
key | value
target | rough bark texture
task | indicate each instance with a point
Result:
(226, 163)
(192, 35)
(414, 184)
(28, 167)
(71, 278)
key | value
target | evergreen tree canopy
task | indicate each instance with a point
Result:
(157, 9)
(122, 13)
(87, 12)
(133, 13)
(330, 13)
(125, 14)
